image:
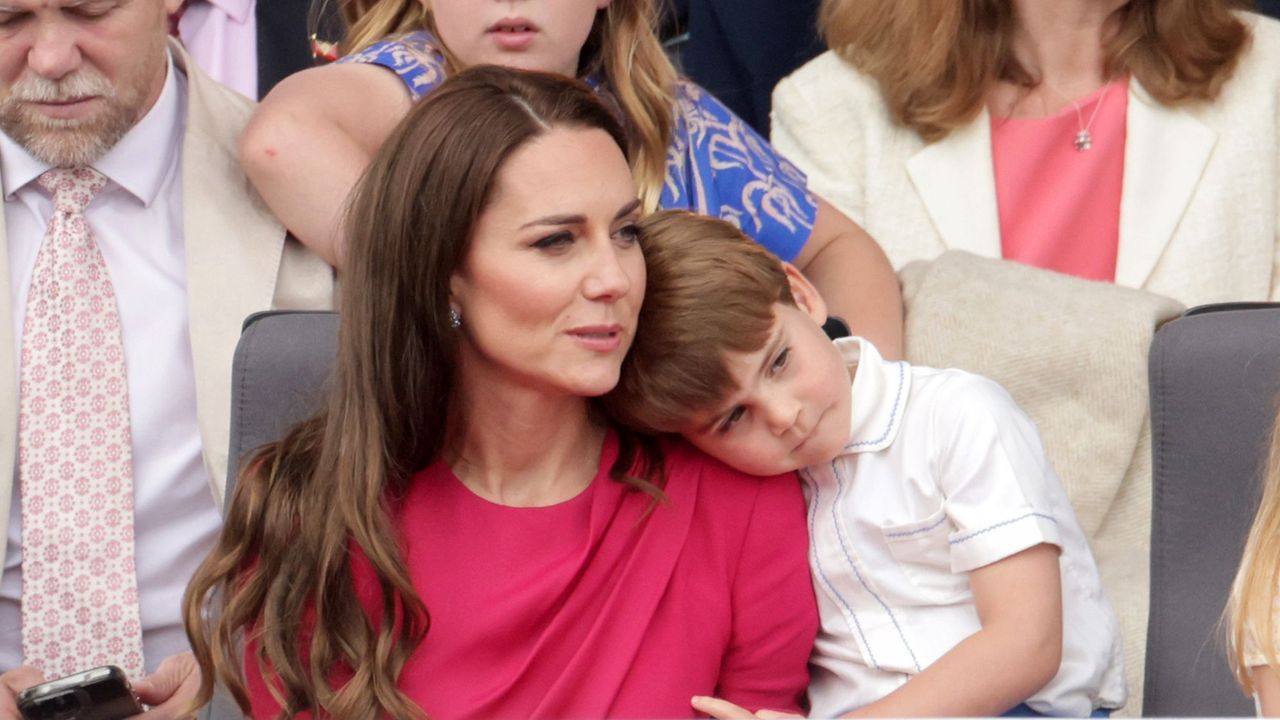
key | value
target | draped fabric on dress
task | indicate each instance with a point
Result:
(605, 604)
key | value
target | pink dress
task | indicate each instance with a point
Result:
(590, 608)
(1060, 207)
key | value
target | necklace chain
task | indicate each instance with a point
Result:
(1083, 140)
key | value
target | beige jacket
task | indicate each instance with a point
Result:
(1200, 210)
(238, 262)
(1073, 354)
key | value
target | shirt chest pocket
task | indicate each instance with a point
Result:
(922, 551)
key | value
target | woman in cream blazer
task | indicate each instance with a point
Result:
(1198, 212)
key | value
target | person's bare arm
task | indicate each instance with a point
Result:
(312, 137)
(1266, 685)
(1017, 651)
(855, 279)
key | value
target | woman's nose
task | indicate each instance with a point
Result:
(610, 274)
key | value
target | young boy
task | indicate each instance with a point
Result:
(952, 576)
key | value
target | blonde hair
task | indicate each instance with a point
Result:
(709, 291)
(1250, 610)
(623, 48)
(936, 61)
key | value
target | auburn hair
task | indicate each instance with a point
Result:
(935, 62)
(280, 575)
(1250, 612)
(623, 48)
(709, 291)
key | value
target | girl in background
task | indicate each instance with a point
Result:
(316, 131)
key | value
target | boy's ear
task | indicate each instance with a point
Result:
(806, 295)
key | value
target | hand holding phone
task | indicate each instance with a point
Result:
(102, 693)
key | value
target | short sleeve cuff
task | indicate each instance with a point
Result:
(973, 548)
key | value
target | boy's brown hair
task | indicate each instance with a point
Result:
(710, 291)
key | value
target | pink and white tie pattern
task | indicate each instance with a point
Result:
(75, 462)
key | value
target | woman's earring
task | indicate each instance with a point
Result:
(455, 318)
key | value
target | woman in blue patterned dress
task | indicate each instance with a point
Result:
(315, 132)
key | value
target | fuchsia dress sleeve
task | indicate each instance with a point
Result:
(606, 605)
(1060, 206)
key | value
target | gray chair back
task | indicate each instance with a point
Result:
(278, 376)
(1215, 375)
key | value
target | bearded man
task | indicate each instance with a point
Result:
(133, 248)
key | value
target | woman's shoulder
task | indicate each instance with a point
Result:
(721, 487)
(827, 80)
(1263, 53)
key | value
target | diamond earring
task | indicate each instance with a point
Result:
(455, 319)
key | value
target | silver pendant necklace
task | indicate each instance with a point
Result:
(1084, 139)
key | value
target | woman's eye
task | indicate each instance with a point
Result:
(732, 418)
(551, 242)
(629, 233)
(781, 361)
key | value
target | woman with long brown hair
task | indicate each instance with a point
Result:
(462, 532)
(316, 131)
(1128, 141)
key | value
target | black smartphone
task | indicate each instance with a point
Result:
(102, 693)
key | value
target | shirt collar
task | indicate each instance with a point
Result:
(133, 163)
(237, 10)
(879, 392)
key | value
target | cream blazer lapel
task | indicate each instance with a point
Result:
(234, 248)
(956, 181)
(1166, 150)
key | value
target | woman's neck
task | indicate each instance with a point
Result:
(522, 447)
(1060, 43)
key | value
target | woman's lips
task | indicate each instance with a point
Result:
(600, 338)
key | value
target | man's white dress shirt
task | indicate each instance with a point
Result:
(137, 221)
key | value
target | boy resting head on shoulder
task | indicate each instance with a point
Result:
(951, 573)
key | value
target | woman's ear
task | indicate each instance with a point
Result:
(805, 294)
(602, 4)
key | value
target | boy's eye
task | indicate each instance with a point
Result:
(554, 241)
(781, 361)
(732, 418)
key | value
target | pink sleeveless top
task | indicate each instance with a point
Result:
(1059, 206)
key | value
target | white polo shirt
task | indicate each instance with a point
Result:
(943, 473)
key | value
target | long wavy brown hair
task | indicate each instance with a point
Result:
(623, 48)
(935, 61)
(280, 575)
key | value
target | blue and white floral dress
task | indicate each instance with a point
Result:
(716, 164)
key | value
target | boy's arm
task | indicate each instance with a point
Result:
(1266, 686)
(1017, 651)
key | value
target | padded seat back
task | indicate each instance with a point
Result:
(1215, 377)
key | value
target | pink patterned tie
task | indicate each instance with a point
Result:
(79, 587)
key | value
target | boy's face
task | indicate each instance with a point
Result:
(792, 408)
